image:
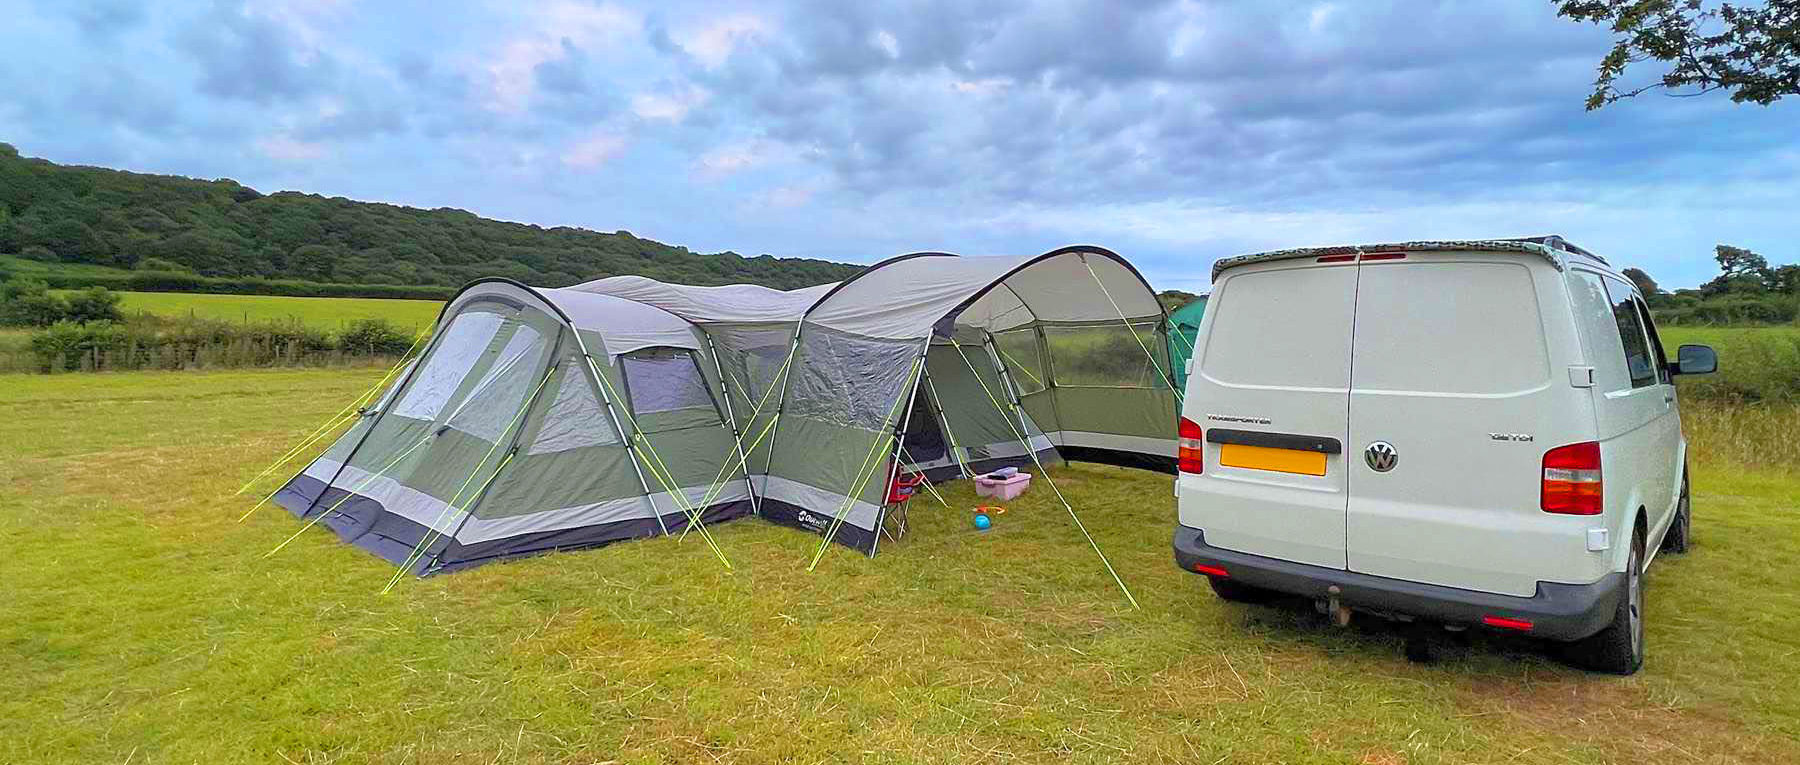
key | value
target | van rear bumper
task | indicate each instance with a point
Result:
(1557, 611)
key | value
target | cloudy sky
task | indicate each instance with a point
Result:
(1174, 132)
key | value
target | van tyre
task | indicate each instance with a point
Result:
(1618, 649)
(1238, 592)
(1681, 530)
(1421, 643)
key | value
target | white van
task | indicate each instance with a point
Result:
(1464, 433)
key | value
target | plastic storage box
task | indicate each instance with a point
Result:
(1002, 488)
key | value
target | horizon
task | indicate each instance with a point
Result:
(853, 134)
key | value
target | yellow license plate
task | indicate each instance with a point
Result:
(1268, 458)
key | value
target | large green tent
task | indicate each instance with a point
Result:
(542, 419)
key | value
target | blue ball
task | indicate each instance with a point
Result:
(982, 522)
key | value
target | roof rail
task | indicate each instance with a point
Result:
(1556, 241)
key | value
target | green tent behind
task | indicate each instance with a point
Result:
(1184, 327)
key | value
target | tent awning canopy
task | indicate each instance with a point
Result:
(907, 297)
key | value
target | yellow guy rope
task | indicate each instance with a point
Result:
(916, 470)
(668, 485)
(425, 540)
(867, 471)
(1026, 440)
(944, 419)
(337, 419)
(737, 444)
(352, 492)
(1167, 380)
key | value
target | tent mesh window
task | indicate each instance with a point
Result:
(494, 403)
(575, 418)
(663, 380)
(761, 368)
(1019, 350)
(1105, 356)
(848, 379)
(450, 360)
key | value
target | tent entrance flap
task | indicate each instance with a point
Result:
(924, 436)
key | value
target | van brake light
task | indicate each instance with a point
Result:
(1190, 447)
(1572, 484)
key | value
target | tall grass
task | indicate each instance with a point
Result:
(1761, 436)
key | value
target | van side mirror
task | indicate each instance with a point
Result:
(1695, 360)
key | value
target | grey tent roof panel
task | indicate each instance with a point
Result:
(627, 325)
(734, 303)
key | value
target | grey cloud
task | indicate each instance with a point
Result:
(105, 18)
(570, 87)
(1212, 102)
(247, 57)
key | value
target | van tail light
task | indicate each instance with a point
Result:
(1211, 570)
(1190, 447)
(1572, 483)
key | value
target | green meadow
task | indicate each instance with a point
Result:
(328, 313)
(142, 623)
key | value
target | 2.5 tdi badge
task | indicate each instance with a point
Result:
(1381, 456)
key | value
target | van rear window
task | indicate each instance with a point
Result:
(1448, 327)
(1285, 328)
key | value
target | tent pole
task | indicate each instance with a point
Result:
(902, 426)
(867, 470)
(737, 440)
(630, 440)
(368, 397)
(781, 404)
(1048, 481)
(1012, 393)
(937, 405)
(1050, 387)
(1167, 376)
(378, 413)
(512, 448)
(516, 429)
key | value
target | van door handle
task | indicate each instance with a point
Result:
(1668, 398)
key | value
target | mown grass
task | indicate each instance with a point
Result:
(330, 313)
(141, 623)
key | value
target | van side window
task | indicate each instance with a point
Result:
(1638, 359)
(1656, 346)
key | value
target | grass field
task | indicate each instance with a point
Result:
(141, 623)
(322, 312)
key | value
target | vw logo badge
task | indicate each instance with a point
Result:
(1381, 456)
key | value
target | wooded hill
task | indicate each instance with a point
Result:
(233, 237)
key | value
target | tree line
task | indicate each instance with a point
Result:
(1747, 291)
(189, 230)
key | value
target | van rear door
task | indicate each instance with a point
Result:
(1270, 388)
(1452, 406)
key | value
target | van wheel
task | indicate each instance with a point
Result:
(1618, 649)
(1681, 529)
(1238, 592)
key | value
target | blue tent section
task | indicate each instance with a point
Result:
(1184, 327)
